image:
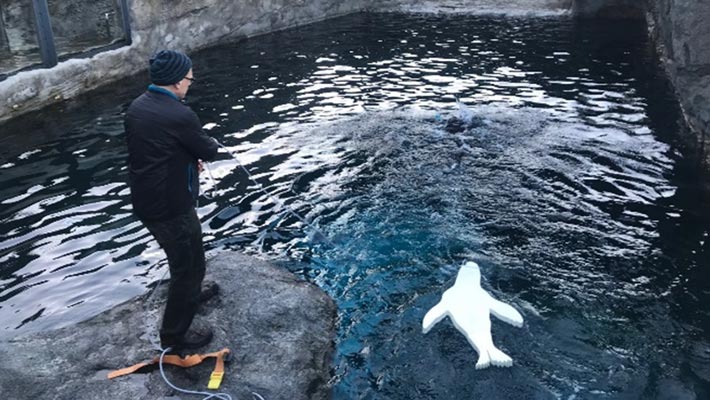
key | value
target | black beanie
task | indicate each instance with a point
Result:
(168, 67)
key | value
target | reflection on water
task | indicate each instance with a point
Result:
(566, 186)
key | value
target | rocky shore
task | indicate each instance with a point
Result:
(279, 329)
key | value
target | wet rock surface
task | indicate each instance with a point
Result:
(280, 331)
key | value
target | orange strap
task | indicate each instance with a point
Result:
(186, 362)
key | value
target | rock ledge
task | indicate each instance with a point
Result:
(280, 331)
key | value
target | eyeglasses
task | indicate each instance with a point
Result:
(192, 80)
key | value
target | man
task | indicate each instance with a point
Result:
(165, 148)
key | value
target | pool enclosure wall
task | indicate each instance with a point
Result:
(92, 43)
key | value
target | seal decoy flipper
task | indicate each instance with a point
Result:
(434, 315)
(505, 312)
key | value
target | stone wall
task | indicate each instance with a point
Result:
(182, 25)
(4, 45)
(18, 16)
(681, 29)
(77, 25)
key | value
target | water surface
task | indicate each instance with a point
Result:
(569, 188)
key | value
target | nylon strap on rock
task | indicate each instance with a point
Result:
(185, 362)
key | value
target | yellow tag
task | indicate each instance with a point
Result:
(215, 380)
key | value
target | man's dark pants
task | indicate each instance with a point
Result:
(181, 239)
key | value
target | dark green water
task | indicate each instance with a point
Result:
(572, 192)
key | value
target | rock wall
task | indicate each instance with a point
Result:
(85, 23)
(183, 25)
(681, 29)
(4, 45)
(17, 18)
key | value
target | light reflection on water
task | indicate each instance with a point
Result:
(566, 190)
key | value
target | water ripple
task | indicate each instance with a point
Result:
(555, 176)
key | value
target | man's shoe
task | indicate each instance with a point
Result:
(209, 290)
(191, 340)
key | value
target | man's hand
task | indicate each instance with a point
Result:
(200, 167)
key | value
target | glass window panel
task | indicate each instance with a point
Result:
(18, 36)
(82, 25)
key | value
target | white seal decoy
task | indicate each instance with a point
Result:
(469, 307)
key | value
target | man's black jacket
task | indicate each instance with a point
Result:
(165, 140)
